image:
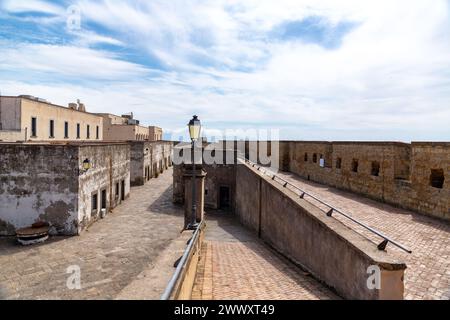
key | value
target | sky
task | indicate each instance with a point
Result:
(308, 69)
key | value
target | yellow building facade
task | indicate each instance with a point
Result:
(28, 119)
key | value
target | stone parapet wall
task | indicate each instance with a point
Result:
(333, 253)
(403, 177)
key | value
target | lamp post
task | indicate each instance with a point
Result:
(194, 133)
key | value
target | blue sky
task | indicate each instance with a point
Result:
(313, 69)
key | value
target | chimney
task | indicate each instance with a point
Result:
(81, 106)
(73, 106)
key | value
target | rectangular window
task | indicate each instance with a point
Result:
(338, 163)
(437, 178)
(97, 134)
(52, 128)
(78, 131)
(375, 169)
(95, 202)
(88, 132)
(66, 130)
(33, 127)
(117, 190)
(103, 199)
(355, 165)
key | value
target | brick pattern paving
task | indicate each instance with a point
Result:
(111, 254)
(237, 265)
(428, 273)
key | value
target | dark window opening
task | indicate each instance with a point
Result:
(315, 158)
(66, 130)
(97, 133)
(123, 190)
(117, 190)
(306, 157)
(33, 127)
(375, 168)
(103, 199)
(224, 198)
(88, 132)
(78, 131)
(437, 178)
(52, 128)
(355, 165)
(338, 163)
(94, 202)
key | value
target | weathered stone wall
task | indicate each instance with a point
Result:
(395, 173)
(402, 178)
(38, 183)
(332, 252)
(391, 172)
(248, 198)
(148, 159)
(110, 172)
(220, 173)
(140, 156)
(425, 198)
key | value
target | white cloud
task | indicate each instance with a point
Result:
(19, 6)
(69, 62)
(388, 79)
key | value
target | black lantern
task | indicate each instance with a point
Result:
(87, 165)
(195, 128)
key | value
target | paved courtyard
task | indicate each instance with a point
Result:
(113, 254)
(235, 264)
(428, 273)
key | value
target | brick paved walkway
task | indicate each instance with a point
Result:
(428, 273)
(112, 254)
(235, 264)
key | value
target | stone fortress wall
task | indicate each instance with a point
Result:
(413, 176)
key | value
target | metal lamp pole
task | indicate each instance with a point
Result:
(194, 132)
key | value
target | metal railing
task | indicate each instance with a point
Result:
(181, 265)
(303, 193)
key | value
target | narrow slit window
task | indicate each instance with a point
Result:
(66, 130)
(52, 128)
(95, 202)
(355, 165)
(33, 127)
(338, 163)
